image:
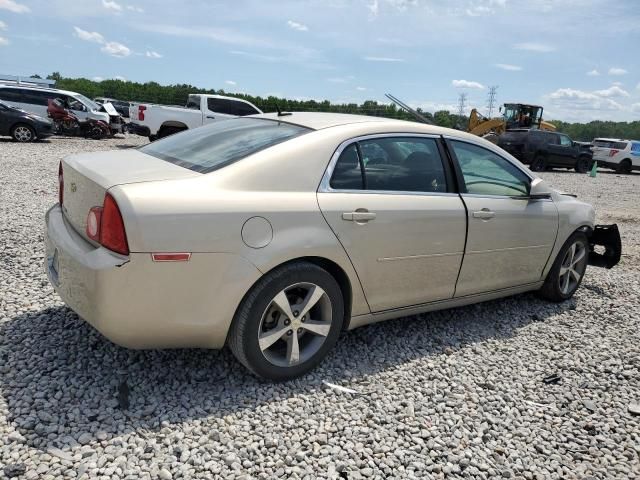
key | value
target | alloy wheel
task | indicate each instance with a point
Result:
(23, 134)
(572, 267)
(295, 324)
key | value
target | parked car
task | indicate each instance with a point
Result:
(121, 106)
(620, 155)
(272, 234)
(23, 126)
(158, 121)
(542, 149)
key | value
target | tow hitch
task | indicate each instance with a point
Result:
(607, 236)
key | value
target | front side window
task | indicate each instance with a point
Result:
(218, 144)
(565, 141)
(486, 173)
(11, 95)
(397, 164)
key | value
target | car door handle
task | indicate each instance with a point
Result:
(484, 214)
(358, 216)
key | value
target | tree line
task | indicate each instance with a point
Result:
(153, 92)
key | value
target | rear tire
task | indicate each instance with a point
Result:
(539, 164)
(166, 131)
(582, 165)
(277, 345)
(625, 166)
(23, 133)
(568, 269)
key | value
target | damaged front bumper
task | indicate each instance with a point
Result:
(607, 236)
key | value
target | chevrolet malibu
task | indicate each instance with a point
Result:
(273, 233)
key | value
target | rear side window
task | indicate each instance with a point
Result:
(218, 144)
(194, 102)
(635, 148)
(396, 164)
(11, 95)
(230, 107)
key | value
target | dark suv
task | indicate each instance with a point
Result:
(541, 149)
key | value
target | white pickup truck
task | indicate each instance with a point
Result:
(157, 121)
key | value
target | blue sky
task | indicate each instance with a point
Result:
(578, 58)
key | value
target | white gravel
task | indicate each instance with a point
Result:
(453, 394)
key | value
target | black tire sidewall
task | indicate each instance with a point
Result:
(582, 165)
(553, 279)
(538, 164)
(265, 294)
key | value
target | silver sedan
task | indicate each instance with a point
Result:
(273, 233)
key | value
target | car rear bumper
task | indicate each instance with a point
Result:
(607, 236)
(138, 303)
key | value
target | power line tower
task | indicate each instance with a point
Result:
(462, 104)
(491, 100)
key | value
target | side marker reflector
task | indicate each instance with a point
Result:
(171, 257)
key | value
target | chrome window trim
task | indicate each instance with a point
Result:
(325, 183)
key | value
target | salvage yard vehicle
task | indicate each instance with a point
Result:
(543, 149)
(620, 155)
(273, 233)
(23, 126)
(158, 121)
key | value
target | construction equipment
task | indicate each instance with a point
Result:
(515, 115)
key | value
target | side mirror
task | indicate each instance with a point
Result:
(539, 190)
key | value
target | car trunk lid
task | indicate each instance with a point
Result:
(87, 177)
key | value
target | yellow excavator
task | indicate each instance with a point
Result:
(515, 115)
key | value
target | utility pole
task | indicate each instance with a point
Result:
(462, 104)
(491, 100)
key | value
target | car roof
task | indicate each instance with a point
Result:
(321, 120)
(39, 89)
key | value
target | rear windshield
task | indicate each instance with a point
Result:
(214, 146)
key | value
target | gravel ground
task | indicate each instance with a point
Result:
(453, 394)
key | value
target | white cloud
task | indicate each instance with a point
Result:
(467, 84)
(593, 73)
(3, 42)
(3, 26)
(374, 8)
(534, 47)
(230, 82)
(383, 59)
(638, 86)
(13, 6)
(572, 99)
(97, 79)
(361, 89)
(120, 77)
(133, 8)
(88, 36)
(508, 67)
(614, 91)
(635, 108)
(111, 5)
(116, 49)
(297, 26)
(153, 54)
(617, 71)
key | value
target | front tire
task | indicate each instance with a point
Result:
(288, 322)
(582, 165)
(568, 270)
(23, 133)
(625, 166)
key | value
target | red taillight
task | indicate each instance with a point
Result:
(141, 109)
(112, 233)
(105, 226)
(613, 152)
(60, 184)
(93, 223)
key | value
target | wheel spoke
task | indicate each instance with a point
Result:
(318, 328)
(283, 304)
(572, 253)
(574, 274)
(293, 349)
(313, 296)
(578, 257)
(270, 337)
(565, 283)
(563, 271)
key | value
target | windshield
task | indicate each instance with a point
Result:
(89, 103)
(214, 146)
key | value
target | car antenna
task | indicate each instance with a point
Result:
(404, 106)
(281, 113)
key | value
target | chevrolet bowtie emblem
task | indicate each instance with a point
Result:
(73, 187)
